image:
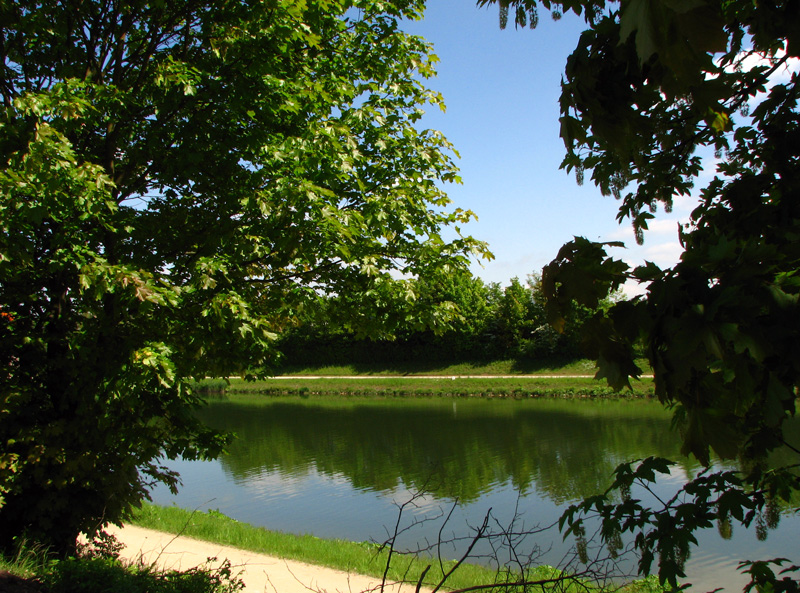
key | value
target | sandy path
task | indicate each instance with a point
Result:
(259, 572)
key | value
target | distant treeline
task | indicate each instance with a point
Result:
(485, 322)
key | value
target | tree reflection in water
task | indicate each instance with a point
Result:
(561, 449)
(339, 467)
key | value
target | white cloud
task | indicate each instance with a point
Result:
(632, 289)
(662, 226)
(664, 254)
(781, 75)
(785, 68)
(661, 247)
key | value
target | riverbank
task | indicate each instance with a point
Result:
(495, 379)
(363, 558)
(359, 563)
(152, 561)
(538, 367)
(257, 572)
(506, 386)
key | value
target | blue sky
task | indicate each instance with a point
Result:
(501, 88)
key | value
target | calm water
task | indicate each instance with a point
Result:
(342, 468)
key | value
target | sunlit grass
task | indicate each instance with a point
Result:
(518, 387)
(555, 366)
(365, 558)
(503, 378)
(359, 558)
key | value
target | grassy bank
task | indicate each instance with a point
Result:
(452, 386)
(489, 379)
(547, 366)
(362, 558)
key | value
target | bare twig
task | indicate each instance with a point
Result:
(422, 577)
(441, 529)
(466, 554)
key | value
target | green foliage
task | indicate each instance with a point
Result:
(763, 577)
(97, 568)
(666, 533)
(720, 328)
(82, 575)
(456, 317)
(178, 181)
(649, 89)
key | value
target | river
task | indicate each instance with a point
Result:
(343, 467)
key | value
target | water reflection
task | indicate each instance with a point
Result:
(563, 450)
(338, 468)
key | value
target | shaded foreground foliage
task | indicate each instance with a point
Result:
(653, 89)
(98, 568)
(92, 575)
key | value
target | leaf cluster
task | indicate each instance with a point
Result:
(664, 530)
(650, 92)
(648, 86)
(177, 181)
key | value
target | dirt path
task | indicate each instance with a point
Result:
(260, 573)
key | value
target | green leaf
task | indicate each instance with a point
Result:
(639, 17)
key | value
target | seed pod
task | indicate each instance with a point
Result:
(772, 513)
(522, 16)
(581, 549)
(681, 556)
(761, 527)
(724, 527)
(625, 492)
(533, 17)
(614, 543)
(745, 109)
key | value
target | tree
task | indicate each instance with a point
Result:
(178, 180)
(651, 89)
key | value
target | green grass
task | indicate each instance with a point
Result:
(27, 562)
(354, 557)
(552, 366)
(519, 387)
(504, 378)
(360, 558)
(90, 573)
